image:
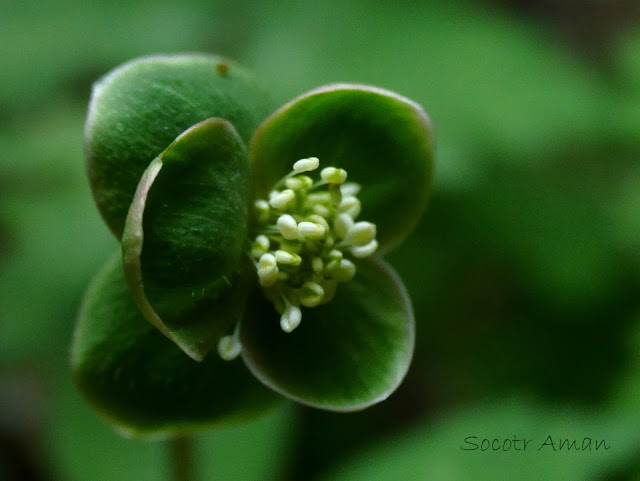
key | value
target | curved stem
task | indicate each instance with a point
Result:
(182, 467)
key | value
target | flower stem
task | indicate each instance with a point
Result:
(181, 453)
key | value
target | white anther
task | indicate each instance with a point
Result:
(345, 271)
(261, 204)
(290, 318)
(311, 230)
(313, 287)
(306, 165)
(260, 246)
(287, 226)
(364, 251)
(282, 199)
(350, 189)
(333, 175)
(311, 294)
(263, 242)
(267, 270)
(342, 224)
(318, 219)
(229, 347)
(262, 210)
(268, 276)
(335, 255)
(284, 257)
(361, 234)
(267, 260)
(350, 205)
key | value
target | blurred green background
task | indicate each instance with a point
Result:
(524, 272)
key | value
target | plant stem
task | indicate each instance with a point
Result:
(181, 454)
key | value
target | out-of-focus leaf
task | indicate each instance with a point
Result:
(487, 78)
(627, 56)
(551, 228)
(435, 450)
(51, 48)
(82, 446)
(624, 212)
(54, 239)
(253, 451)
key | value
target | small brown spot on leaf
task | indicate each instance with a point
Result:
(222, 68)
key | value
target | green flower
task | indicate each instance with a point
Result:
(251, 242)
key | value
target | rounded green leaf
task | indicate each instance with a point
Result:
(139, 108)
(185, 236)
(381, 139)
(140, 380)
(345, 355)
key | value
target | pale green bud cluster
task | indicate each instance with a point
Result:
(306, 236)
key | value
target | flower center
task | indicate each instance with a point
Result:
(306, 237)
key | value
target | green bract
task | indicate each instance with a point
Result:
(224, 247)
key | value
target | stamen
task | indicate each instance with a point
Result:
(309, 230)
(288, 226)
(282, 199)
(291, 317)
(342, 224)
(262, 211)
(350, 189)
(284, 257)
(268, 270)
(260, 246)
(306, 165)
(229, 347)
(345, 271)
(364, 251)
(350, 205)
(333, 175)
(311, 294)
(300, 182)
(318, 219)
(335, 255)
(360, 234)
(304, 250)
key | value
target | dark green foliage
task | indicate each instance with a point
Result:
(383, 140)
(186, 240)
(137, 110)
(142, 381)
